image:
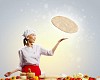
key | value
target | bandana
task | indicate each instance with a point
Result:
(28, 32)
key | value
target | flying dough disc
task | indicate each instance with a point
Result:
(64, 24)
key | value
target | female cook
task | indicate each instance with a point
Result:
(30, 54)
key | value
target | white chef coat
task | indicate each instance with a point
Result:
(31, 55)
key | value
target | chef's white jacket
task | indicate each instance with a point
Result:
(31, 55)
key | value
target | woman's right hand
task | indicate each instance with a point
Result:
(7, 74)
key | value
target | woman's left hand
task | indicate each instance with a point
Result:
(54, 48)
(62, 39)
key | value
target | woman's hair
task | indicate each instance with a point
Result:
(25, 41)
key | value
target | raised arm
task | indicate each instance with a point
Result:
(54, 48)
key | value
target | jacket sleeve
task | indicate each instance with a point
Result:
(20, 60)
(46, 52)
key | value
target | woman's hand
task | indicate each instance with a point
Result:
(54, 48)
(62, 39)
(7, 74)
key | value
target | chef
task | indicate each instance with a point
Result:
(30, 54)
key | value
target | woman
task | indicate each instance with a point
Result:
(30, 54)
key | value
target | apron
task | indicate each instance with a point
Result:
(34, 68)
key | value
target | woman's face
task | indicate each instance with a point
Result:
(31, 38)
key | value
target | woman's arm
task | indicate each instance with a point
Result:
(50, 52)
(11, 72)
(18, 68)
(54, 48)
(14, 71)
